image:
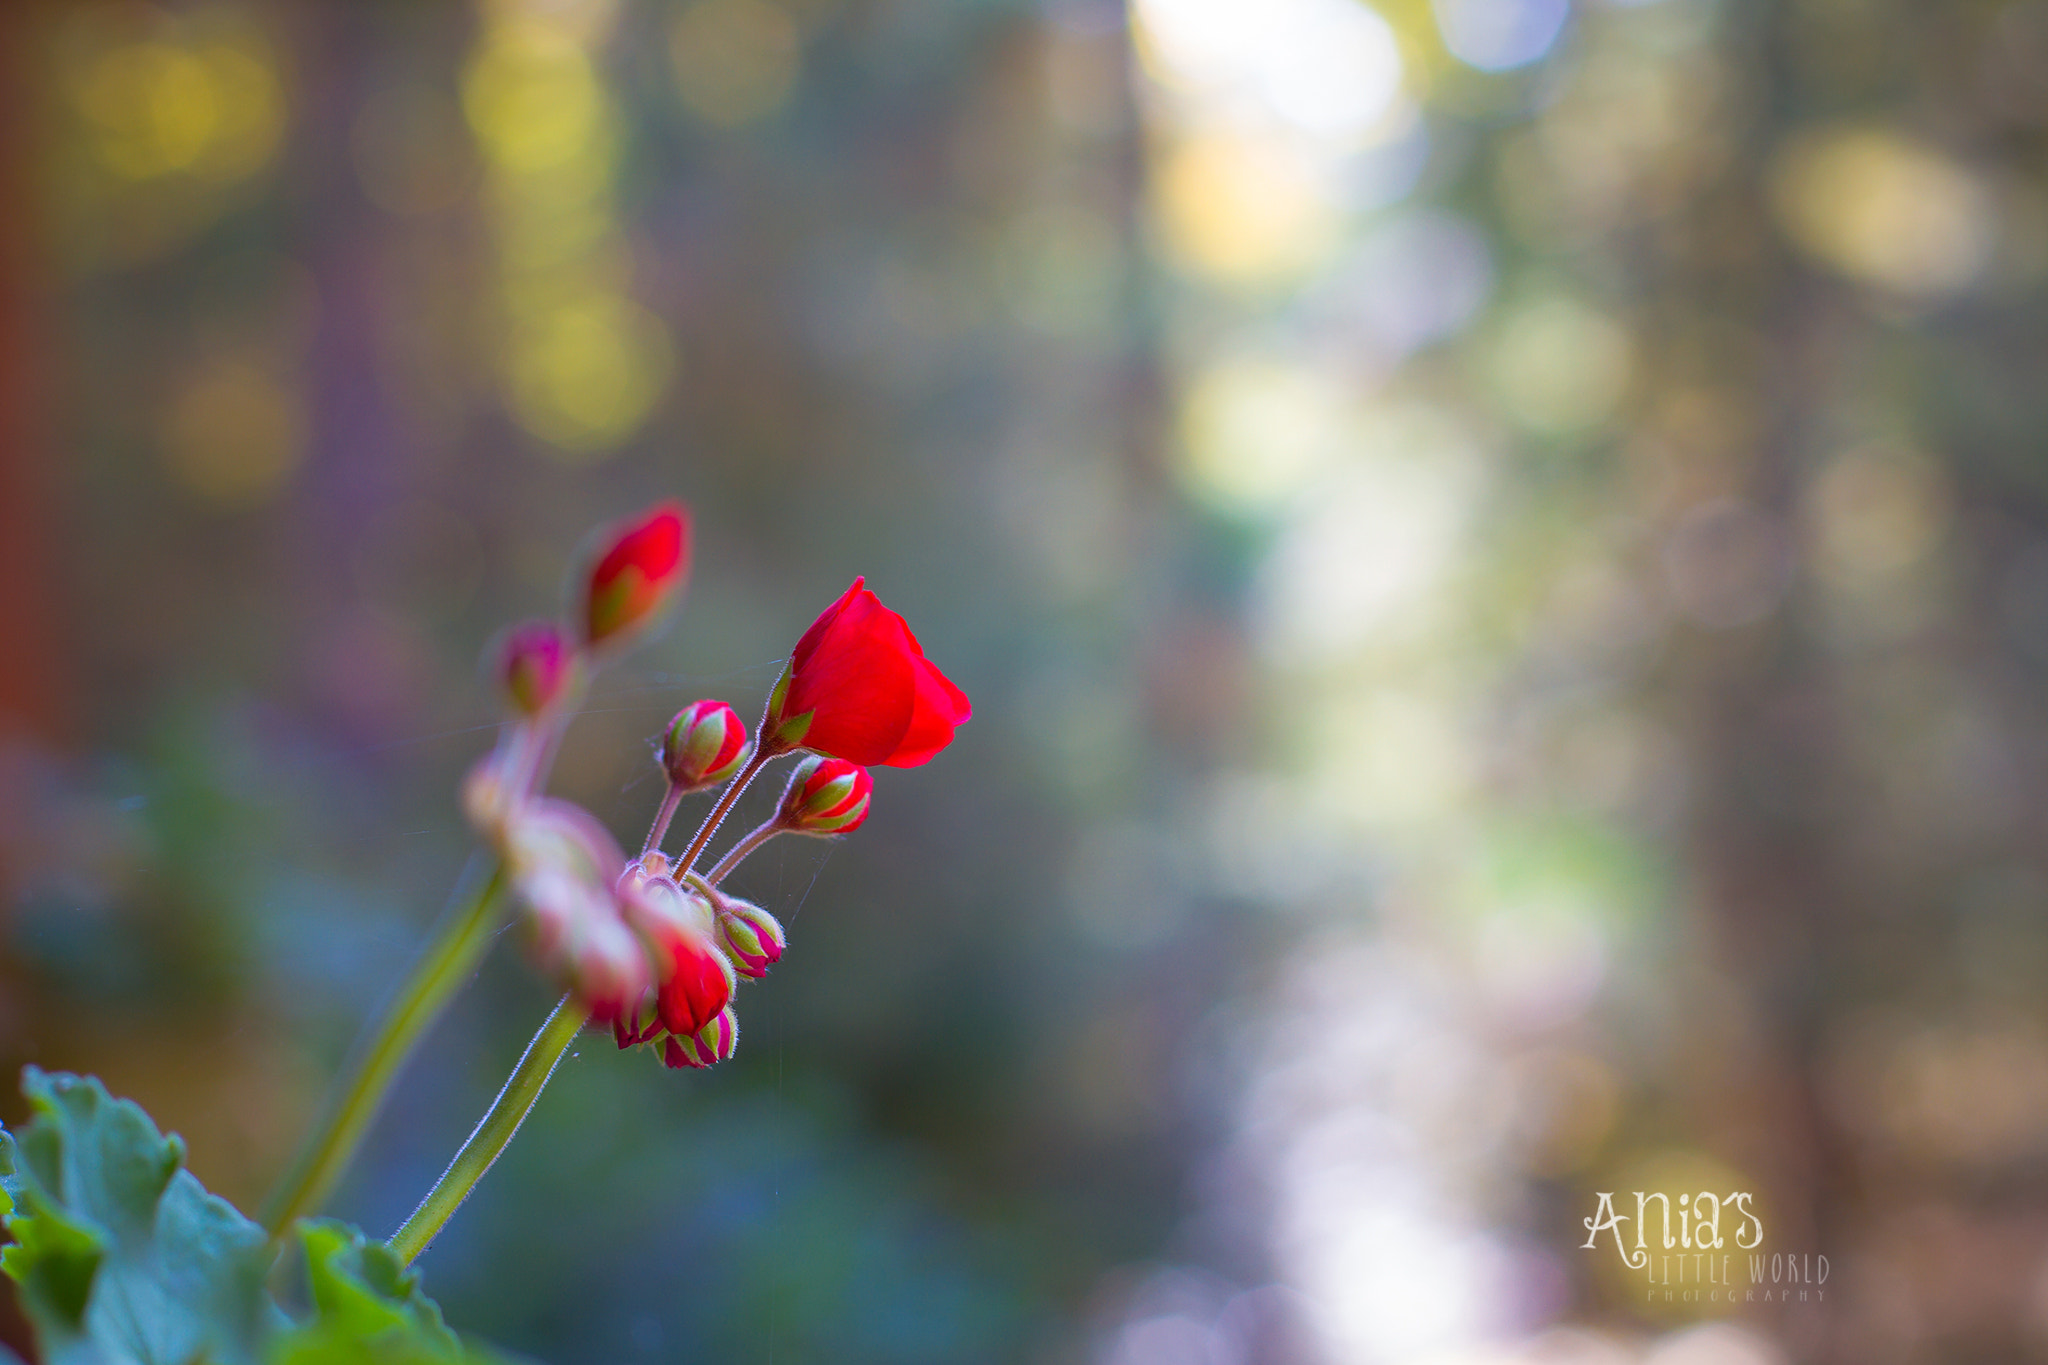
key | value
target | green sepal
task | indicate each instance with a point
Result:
(608, 614)
(790, 733)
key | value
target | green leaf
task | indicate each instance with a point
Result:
(123, 1258)
(366, 1307)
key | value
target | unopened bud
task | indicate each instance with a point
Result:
(707, 1046)
(662, 913)
(750, 936)
(699, 985)
(556, 904)
(639, 566)
(579, 938)
(693, 977)
(825, 796)
(535, 665)
(637, 1025)
(704, 745)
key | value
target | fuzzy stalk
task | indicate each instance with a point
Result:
(658, 831)
(494, 1133)
(731, 794)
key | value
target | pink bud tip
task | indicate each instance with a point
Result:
(535, 663)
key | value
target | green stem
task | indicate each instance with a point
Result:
(492, 1135)
(760, 760)
(659, 829)
(465, 932)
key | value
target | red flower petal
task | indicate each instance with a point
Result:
(856, 683)
(807, 644)
(938, 709)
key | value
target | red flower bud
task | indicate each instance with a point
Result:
(859, 687)
(705, 744)
(699, 985)
(707, 1046)
(638, 1025)
(643, 564)
(535, 664)
(825, 796)
(751, 937)
(693, 978)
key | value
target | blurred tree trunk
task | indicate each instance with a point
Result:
(31, 699)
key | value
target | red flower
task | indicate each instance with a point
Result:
(858, 687)
(644, 562)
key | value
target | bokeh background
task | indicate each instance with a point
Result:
(1500, 548)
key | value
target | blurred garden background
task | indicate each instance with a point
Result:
(1500, 549)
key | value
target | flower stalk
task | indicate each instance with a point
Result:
(494, 1132)
(726, 799)
(659, 829)
(465, 931)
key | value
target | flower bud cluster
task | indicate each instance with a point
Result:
(702, 942)
(657, 950)
(562, 865)
(538, 666)
(693, 979)
(639, 567)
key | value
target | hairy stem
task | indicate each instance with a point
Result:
(718, 812)
(464, 933)
(494, 1133)
(655, 832)
(738, 852)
